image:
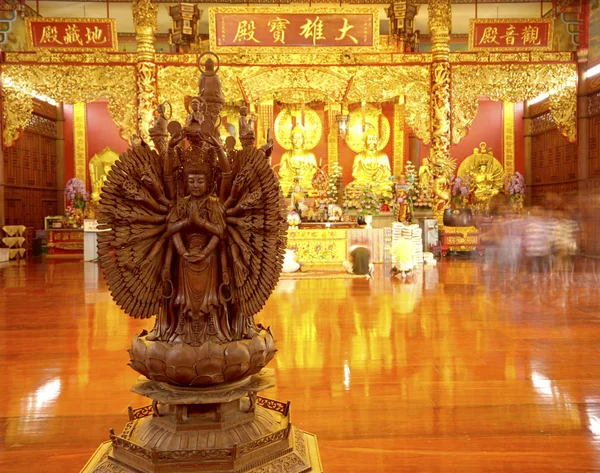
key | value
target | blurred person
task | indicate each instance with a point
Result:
(290, 265)
(359, 261)
(509, 232)
(538, 243)
(512, 244)
(566, 232)
(403, 257)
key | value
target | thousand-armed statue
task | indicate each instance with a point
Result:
(196, 240)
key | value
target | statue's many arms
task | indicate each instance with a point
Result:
(196, 239)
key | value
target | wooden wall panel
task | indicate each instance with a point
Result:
(554, 166)
(589, 203)
(593, 154)
(31, 191)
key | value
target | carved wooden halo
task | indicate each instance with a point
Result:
(372, 115)
(313, 128)
(203, 103)
(164, 104)
(200, 64)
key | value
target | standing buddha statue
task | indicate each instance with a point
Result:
(297, 163)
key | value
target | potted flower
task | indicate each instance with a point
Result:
(367, 205)
(515, 188)
(76, 197)
(460, 215)
(461, 191)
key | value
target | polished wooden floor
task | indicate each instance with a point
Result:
(459, 371)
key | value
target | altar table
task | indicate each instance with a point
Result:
(65, 242)
(461, 239)
(330, 246)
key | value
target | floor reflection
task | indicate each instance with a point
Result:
(392, 375)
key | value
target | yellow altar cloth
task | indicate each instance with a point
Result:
(330, 245)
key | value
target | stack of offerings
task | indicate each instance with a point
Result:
(407, 246)
(417, 241)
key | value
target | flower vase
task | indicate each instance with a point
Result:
(517, 203)
(368, 220)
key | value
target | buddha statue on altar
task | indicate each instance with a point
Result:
(371, 168)
(486, 174)
(484, 184)
(298, 165)
(99, 168)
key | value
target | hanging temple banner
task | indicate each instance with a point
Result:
(71, 34)
(510, 34)
(294, 29)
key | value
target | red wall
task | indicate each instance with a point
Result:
(487, 126)
(101, 132)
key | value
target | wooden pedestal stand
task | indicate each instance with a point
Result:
(226, 428)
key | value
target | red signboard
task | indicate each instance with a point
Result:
(72, 34)
(297, 29)
(510, 34)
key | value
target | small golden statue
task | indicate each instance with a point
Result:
(487, 176)
(371, 168)
(403, 202)
(297, 163)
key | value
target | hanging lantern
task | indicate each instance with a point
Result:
(185, 26)
(342, 122)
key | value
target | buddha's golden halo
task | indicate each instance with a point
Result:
(313, 127)
(483, 155)
(367, 115)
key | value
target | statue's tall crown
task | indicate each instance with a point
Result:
(198, 160)
(298, 130)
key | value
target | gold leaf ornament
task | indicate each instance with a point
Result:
(313, 127)
(69, 84)
(360, 119)
(514, 83)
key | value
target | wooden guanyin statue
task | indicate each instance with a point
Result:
(197, 240)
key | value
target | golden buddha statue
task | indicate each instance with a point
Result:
(486, 174)
(99, 167)
(297, 163)
(484, 184)
(371, 168)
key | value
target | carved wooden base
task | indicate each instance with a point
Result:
(225, 428)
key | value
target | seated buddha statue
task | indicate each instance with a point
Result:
(297, 163)
(371, 168)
